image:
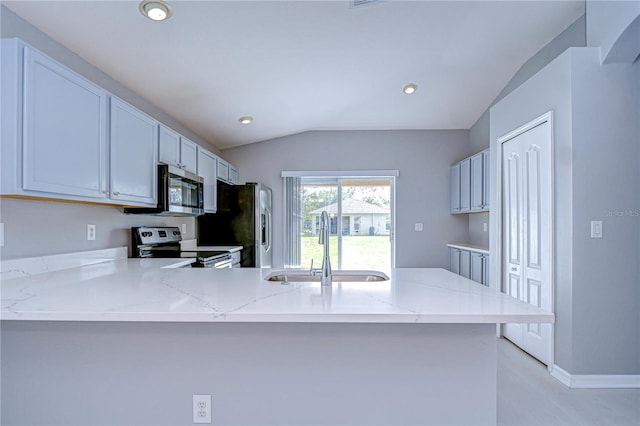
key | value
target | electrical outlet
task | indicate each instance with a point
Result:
(184, 229)
(91, 232)
(418, 227)
(1, 234)
(484, 226)
(201, 408)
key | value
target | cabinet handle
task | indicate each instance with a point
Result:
(105, 192)
(514, 269)
(116, 193)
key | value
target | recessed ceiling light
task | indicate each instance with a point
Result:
(410, 88)
(156, 10)
(246, 119)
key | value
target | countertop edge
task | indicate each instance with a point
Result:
(469, 247)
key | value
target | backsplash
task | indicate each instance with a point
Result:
(477, 235)
(39, 228)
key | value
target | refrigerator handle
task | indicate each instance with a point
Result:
(267, 230)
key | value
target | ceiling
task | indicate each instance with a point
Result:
(308, 65)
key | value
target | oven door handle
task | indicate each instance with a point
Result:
(227, 262)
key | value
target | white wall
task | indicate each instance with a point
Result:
(422, 189)
(596, 134)
(572, 36)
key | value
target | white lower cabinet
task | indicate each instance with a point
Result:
(207, 165)
(465, 263)
(454, 254)
(134, 155)
(470, 263)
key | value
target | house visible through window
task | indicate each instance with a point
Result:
(361, 211)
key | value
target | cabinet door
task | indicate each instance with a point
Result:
(465, 263)
(477, 182)
(207, 163)
(169, 150)
(223, 170)
(234, 175)
(465, 185)
(64, 128)
(476, 266)
(454, 255)
(455, 188)
(485, 179)
(188, 155)
(134, 155)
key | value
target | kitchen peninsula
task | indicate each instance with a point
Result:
(129, 341)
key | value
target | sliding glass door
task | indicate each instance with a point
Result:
(361, 212)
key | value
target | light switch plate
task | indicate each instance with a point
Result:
(418, 226)
(596, 229)
(1, 234)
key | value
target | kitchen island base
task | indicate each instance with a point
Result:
(136, 373)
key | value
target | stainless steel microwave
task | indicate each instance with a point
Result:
(180, 193)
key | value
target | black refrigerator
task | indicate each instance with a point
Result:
(243, 218)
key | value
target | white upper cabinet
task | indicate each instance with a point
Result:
(486, 173)
(234, 174)
(64, 130)
(62, 148)
(223, 170)
(64, 137)
(169, 150)
(228, 172)
(188, 155)
(465, 185)
(470, 184)
(477, 183)
(177, 150)
(134, 155)
(455, 188)
(207, 165)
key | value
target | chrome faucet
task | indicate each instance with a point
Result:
(323, 239)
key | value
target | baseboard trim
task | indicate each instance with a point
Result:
(596, 381)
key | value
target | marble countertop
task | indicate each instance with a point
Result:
(150, 290)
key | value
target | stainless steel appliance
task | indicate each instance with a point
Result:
(164, 242)
(180, 193)
(243, 218)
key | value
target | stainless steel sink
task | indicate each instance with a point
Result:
(302, 275)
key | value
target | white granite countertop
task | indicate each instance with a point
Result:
(146, 290)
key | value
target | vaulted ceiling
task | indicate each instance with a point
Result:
(308, 65)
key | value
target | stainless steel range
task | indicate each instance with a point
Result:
(164, 242)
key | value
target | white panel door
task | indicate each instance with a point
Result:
(526, 221)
